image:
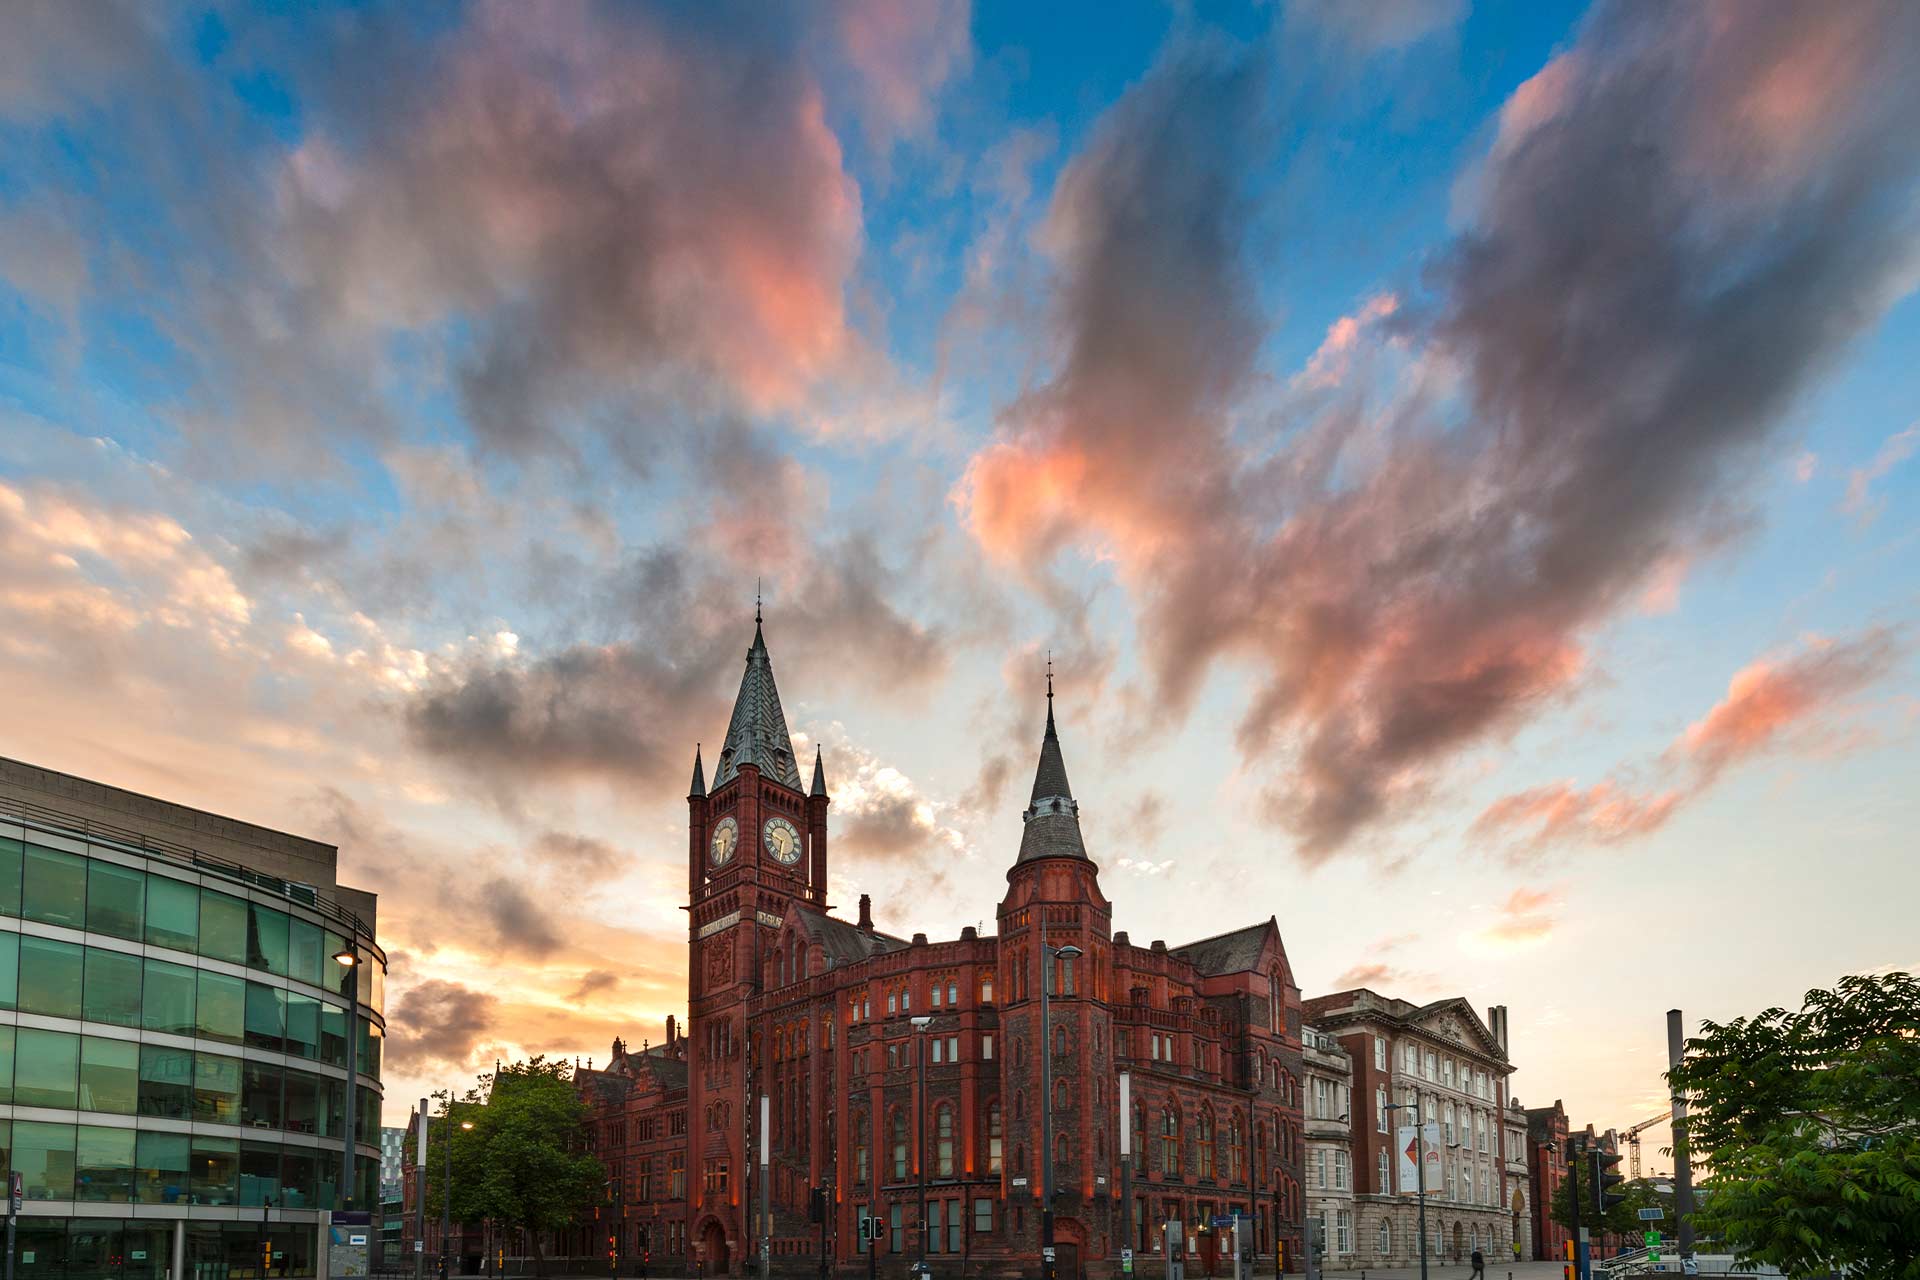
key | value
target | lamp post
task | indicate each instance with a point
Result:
(1420, 1175)
(1048, 954)
(347, 958)
(920, 1025)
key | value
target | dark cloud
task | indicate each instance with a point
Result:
(519, 923)
(573, 854)
(438, 1024)
(886, 828)
(628, 706)
(1681, 223)
(592, 982)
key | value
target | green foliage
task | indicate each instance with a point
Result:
(1810, 1123)
(1623, 1220)
(525, 1163)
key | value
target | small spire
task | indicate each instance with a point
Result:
(1050, 732)
(699, 787)
(819, 774)
(756, 601)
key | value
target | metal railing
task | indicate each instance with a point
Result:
(35, 817)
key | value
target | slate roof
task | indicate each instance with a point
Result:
(1052, 817)
(699, 786)
(1235, 952)
(844, 943)
(757, 734)
(819, 776)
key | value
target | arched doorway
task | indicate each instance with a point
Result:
(1069, 1248)
(1459, 1242)
(1519, 1222)
(713, 1249)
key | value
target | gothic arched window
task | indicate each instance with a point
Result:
(898, 1139)
(1140, 1138)
(1170, 1141)
(1204, 1133)
(1062, 1096)
(1233, 1148)
(943, 1141)
(1059, 1042)
(860, 1153)
(994, 1136)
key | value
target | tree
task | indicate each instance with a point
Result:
(525, 1163)
(1810, 1124)
(1622, 1222)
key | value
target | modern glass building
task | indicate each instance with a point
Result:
(180, 998)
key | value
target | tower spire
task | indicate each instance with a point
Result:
(756, 602)
(757, 733)
(699, 787)
(1052, 819)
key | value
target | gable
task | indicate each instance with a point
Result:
(1453, 1019)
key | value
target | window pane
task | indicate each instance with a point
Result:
(334, 1106)
(173, 913)
(216, 1168)
(259, 1174)
(266, 1017)
(10, 851)
(298, 1178)
(167, 1001)
(337, 977)
(46, 1066)
(222, 1010)
(266, 938)
(109, 1075)
(260, 1095)
(50, 977)
(6, 1063)
(303, 1113)
(160, 1167)
(216, 1088)
(303, 1025)
(333, 1035)
(115, 897)
(166, 1084)
(43, 1157)
(223, 927)
(306, 950)
(370, 1036)
(9, 969)
(112, 991)
(103, 1164)
(54, 891)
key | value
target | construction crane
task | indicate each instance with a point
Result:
(1633, 1142)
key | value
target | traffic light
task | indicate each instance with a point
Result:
(866, 1231)
(1604, 1181)
(817, 1205)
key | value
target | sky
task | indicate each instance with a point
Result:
(1461, 461)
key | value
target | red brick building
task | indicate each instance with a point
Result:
(818, 1013)
(1547, 1137)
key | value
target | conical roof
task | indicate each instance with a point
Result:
(757, 733)
(1052, 819)
(699, 786)
(819, 776)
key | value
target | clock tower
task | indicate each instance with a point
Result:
(757, 841)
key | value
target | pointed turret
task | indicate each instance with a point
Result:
(819, 776)
(1052, 818)
(699, 787)
(757, 733)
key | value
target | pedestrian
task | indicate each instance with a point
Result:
(1479, 1265)
(1516, 1251)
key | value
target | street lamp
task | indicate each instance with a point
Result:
(920, 1024)
(1048, 955)
(347, 958)
(1420, 1175)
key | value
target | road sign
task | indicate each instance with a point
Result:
(1652, 1214)
(1222, 1220)
(1046, 1254)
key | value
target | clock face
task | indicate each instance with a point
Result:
(726, 838)
(783, 841)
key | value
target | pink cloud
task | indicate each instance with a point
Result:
(1771, 697)
(1559, 812)
(1526, 917)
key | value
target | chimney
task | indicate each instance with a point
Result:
(866, 912)
(1497, 1023)
(670, 1032)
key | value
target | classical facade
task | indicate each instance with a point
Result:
(897, 1070)
(1443, 1059)
(1326, 1105)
